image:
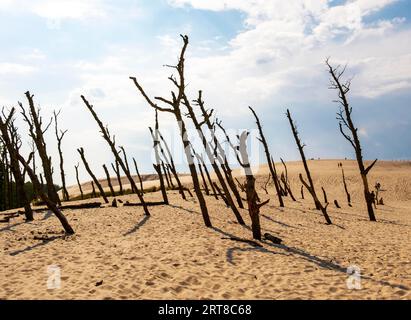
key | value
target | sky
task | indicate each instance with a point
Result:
(266, 54)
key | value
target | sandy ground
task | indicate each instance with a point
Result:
(171, 255)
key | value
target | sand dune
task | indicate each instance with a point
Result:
(171, 255)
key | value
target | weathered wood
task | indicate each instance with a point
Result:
(336, 204)
(78, 181)
(109, 180)
(271, 164)
(345, 121)
(60, 137)
(86, 165)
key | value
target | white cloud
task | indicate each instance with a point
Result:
(7, 68)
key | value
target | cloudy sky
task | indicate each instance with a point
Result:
(268, 54)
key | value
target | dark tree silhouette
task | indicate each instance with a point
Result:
(112, 143)
(113, 194)
(36, 131)
(157, 165)
(12, 142)
(271, 164)
(345, 185)
(78, 181)
(139, 176)
(60, 135)
(171, 165)
(116, 170)
(52, 206)
(310, 186)
(346, 122)
(86, 165)
(212, 157)
(176, 111)
(286, 182)
(249, 187)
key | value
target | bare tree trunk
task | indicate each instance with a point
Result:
(287, 182)
(163, 166)
(112, 143)
(36, 184)
(133, 185)
(35, 123)
(60, 137)
(175, 104)
(78, 182)
(212, 158)
(325, 195)
(139, 176)
(93, 190)
(271, 164)
(302, 192)
(300, 149)
(113, 194)
(12, 143)
(157, 166)
(310, 186)
(252, 197)
(116, 169)
(172, 166)
(344, 117)
(100, 188)
(345, 186)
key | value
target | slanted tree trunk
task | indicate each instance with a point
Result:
(36, 184)
(345, 120)
(12, 142)
(116, 169)
(310, 186)
(93, 190)
(37, 130)
(86, 165)
(206, 120)
(78, 181)
(251, 193)
(212, 158)
(325, 195)
(175, 109)
(60, 136)
(302, 192)
(287, 182)
(112, 143)
(139, 176)
(133, 189)
(271, 164)
(171, 165)
(113, 194)
(300, 149)
(157, 165)
(163, 166)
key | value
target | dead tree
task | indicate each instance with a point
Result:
(211, 157)
(12, 142)
(309, 186)
(300, 149)
(287, 182)
(325, 195)
(113, 194)
(345, 185)
(116, 170)
(176, 111)
(78, 181)
(134, 190)
(112, 143)
(251, 193)
(52, 206)
(168, 178)
(139, 176)
(345, 121)
(322, 208)
(271, 164)
(223, 159)
(60, 135)
(86, 165)
(93, 190)
(210, 181)
(302, 192)
(171, 165)
(265, 185)
(36, 131)
(157, 165)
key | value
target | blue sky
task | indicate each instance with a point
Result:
(268, 54)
